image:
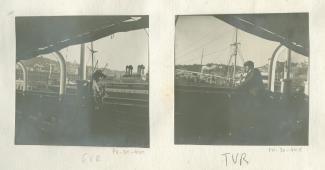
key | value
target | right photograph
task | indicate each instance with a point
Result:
(242, 79)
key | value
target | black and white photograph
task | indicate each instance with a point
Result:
(82, 80)
(242, 79)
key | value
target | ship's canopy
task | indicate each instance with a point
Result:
(45, 34)
(290, 29)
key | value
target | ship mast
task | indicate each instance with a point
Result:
(233, 56)
(202, 55)
(91, 49)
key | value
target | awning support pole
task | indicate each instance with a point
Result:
(272, 67)
(286, 82)
(25, 75)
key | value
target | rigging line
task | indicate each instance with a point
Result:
(203, 45)
(184, 55)
(189, 59)
(88, 57)
(217, 55)
(228, 68)
(217, 51)
(193, 55)
(234, 35)
(193, 59)
(241, 56)
(203, 37)
(218, 60)
(195, 42)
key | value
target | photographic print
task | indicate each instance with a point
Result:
(82, 81)
(242, 79)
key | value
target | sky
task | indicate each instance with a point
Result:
(207, 35)
(119, 50)
(194, 35)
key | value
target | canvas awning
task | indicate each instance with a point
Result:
(45, 34)
(290, 29)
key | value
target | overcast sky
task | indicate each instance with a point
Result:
(195, 33)
(119, 50)
(192, 35)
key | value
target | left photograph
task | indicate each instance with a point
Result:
(82, 81)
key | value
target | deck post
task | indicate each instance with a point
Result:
(82, 67)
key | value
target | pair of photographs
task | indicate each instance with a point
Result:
(240, 79)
